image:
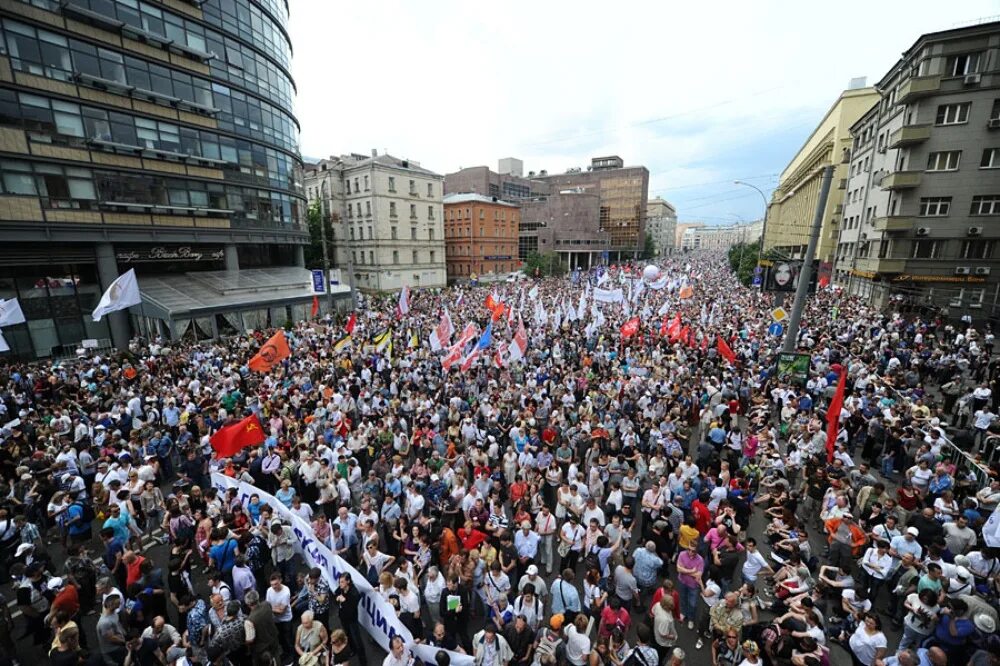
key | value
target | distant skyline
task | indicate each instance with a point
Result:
(699, 99)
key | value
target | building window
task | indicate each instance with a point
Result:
(934, 206)
(430, 234)
(924, 249)
(995, 112)
(433, 256)
(430, 212)
(352, 233)
(368, 209)
(392, 233)
(392, 209)
(354, 256)
(977, 249)
(482, 214)
(991, 159)
(986, 205)
(366, 183)
(960, 65)
(413, 233)
(413, 211)
(953, 114)
(350, 212)
(395, 255)
(356, 186)
(371, 257)
(944, 161)
(371, 236)
(430, 189)
(416, 257)
(468, 213)
(413, 187)
(392, 184)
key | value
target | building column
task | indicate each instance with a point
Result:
(107, 272)
(231, 257)
(300, 256)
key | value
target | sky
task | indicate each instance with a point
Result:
(701, 93)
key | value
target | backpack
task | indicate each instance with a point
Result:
(593, 561)
(88, 512)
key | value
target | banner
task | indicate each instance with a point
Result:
(377, 617)
(609, 295)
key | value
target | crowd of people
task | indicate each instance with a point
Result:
(646, 485)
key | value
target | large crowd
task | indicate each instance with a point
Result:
(644, 486)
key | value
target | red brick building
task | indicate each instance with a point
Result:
(481, 235)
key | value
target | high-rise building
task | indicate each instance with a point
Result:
(623, 194)
(508, 183)
(661, 225)
(793, 204)
(923, 190)
(481, 234)
(390, 230)
(150, 135)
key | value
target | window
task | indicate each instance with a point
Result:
(430, 189)
(371, 257)
(986, 205)
(944, 161)
(371, 236)
(416, 257)
(413, 211)
(392, 232)
(430, 212)
(395, 254)
(413, 187)
(392, 184)
(991, 159)
(433, 256)
(977, 249)
(430, 234)
(924, 249)
(953, 114)
(995, 112)
(356, 186)
(960, 65)
(392, 209)
(413, 233)
(934, 206)
(352, 233)
(368, 209)
(366, 183)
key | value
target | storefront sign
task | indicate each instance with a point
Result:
(319, 287)
(170, 253)
(959, 279)
(497, 257)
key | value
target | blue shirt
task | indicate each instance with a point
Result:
(647, 567)
(224, 555)
(564, 597)
(75, 511)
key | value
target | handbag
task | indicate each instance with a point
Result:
(563, 548)
(309, 659)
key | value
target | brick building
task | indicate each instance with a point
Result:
(481, 235)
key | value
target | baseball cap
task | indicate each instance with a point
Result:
(532, 570)
(913, 530)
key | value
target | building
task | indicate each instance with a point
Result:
(701, 236)
(793, 204)
(568, 223)
(507, 183)
(390, 229)
(481, 236)
(681, 231)
(923, 191)
(134, 135)
(661, 225)
(622, 193)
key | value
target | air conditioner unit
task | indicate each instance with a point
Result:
(975, 231)
(982, 270)
(972, 79)
(955, 303)
(962, 270)
(923, 231)
(993, 123)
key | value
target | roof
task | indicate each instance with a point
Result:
(355, 161)
(984, 27)
(204, 292)
(472, 197)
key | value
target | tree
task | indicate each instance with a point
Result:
(314, 251)
(743, 259)
(649, 249)
(542, 265)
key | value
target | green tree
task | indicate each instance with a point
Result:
(649, 248)
(743, 259)
(548, 264)
(314, 251)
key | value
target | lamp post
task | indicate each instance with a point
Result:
(763, 229)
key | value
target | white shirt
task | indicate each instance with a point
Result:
(283, 597)
(577, 646)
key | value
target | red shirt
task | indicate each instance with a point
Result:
(67, 600)
(132, 574)
(470, 539)
(702, 517)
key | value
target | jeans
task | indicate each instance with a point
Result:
(910, 637)
(689, 601)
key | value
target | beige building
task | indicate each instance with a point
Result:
(701, 236)
(389, 219)
(661, 224)
(793, 204)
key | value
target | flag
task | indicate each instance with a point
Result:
(833, 413)
(352, 321)
(381, 341)
(341, 344)
(686, 292)
(10, 312)
(685, 334)
(674, 328)
(271, 353)
(404, 301)
(470, 358)
(630, 328)
(3, 344)
(123, 293)
(533, 294)
(453, 356)
(234, 438)
(664, 326)
(486, 338)
(498, 312)
(315, 307)
(491, 302)
(510, 312)
(441, 335)
(519, 345)
(499, 354)
(725, 350)
(414, 342)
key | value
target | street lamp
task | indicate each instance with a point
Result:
(763, 229)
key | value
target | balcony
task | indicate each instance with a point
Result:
(892, 223)
(910, 135)
(838, 209)
(916, 87)
(901, 180)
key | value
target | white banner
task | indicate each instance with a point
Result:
(377, 617)
(609, 295)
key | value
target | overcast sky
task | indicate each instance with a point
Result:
(701, 93)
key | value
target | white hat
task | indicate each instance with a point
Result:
(962, 572)
(532, 570)
(24, 547)
(985, 623)
(913, 530)
(54, 583)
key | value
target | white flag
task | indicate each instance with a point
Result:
(123, 293)
(10, 312)
(533, 294)
(638, 291)
(608, 295)
(581, 308)
(3, 343)
(664, 309)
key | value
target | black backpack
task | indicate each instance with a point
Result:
(88, 512)
(593, 561)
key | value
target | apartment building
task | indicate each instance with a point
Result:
(481, 236)
(701, 236)
(924, 228)
(506, 183)
(661, 225)
(390, 220)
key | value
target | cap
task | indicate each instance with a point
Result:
(962, 572)
(913, 530)
(525, 525)
(985, 623)
(532, 570)
(22, 548)
(435, 477)
(54, 583)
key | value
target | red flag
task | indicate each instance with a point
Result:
(234, 438)
(664, 326)
(351, 323)
(725, 350)
(271, 353)
(704, 343)
(491, 302)
(498, 311)
(674, 329)
(315, 308)
(630, 328)
(685, 334)
(833, 413)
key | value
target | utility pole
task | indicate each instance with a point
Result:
(802, 292)
(763, 228)
(323, 219)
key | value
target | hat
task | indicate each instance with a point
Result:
(913, 530)
(435, 477)
(525, 524)
(962, 572)
(54, 583)
(556, 621)
(985, 623)
(532, 570)
(24, 547)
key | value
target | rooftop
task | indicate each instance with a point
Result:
(472, 197)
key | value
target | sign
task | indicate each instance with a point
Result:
(776, 329)
(335, 277)
(89, 343)
(319, 285)
(793, 366)
(962, 279)
(165, 253)
(496, 257)
(779, 314)
(758, 270)
(757, 280)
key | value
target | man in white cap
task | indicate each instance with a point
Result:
(531, 576)
(526, 542)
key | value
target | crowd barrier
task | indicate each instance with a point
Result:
(377, 616)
